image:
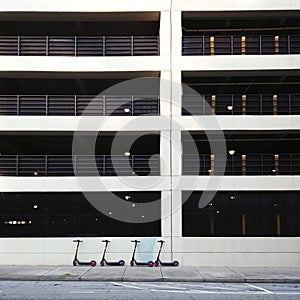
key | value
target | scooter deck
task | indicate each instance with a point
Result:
(167, 264)
(83, 263)
(112, 263)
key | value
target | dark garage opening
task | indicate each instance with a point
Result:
(246, 213)
(70, 214)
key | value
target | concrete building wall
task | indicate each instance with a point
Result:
(244, 251)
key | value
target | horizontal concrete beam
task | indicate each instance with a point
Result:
(237, 63)
(235, 5)
(236, 183)
(92, 184)
(146, 123)
(82, 64)
(83, 6)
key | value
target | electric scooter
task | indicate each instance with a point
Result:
(110, 263)
(133, 261)
(158, 262)
(76, 261)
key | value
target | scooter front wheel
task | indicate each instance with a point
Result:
(150, 263)
(93, 263)
(156, 263)
(121, 262)
(101, 263)
(175, 263)
(131, 264)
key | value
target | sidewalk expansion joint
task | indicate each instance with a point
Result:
(79, 278)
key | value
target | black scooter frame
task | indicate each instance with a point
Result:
(133, 261)
(158, 262)
(103, 261)
(76, 261)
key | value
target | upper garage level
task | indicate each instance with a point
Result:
(80, 34)
(240, 33)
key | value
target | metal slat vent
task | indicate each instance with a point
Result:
(9, 45)
(240, 44)
(61, 46)
(32, 105)
(33, 45)
(84, 165)
(63, 105)
(90, 105)
(89, 46)
(8, 105)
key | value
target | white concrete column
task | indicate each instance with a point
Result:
(165, 157)
(176, 156)
(175, 56)
(166, 214)
(165, 93)
(176, 33)
(176, 92)
(176, 189)
(176, 213)
(165, 33)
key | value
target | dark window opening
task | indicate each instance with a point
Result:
(242, 214)
(70, 214)
(243, 153)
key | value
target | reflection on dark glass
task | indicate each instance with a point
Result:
(68, 214)
(243, 214)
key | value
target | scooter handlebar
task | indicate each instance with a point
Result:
(76, 241)
(106, 241)
(161, 241)
(135, 241)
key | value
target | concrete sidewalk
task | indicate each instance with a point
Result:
(196, 274)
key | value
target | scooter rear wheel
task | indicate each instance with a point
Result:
(175, 263)
(121, 262)
(150, 264)
(93, 263)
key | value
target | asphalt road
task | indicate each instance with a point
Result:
(43, 290)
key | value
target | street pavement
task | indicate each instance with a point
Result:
(146, 274)
(62, 290)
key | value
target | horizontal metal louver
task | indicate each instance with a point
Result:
(31, 165)
(145, 105)
(118, 105)
(61, 105)
(33, 45)
(227, 104)
(89, 46)
(9, 45)
(232, 44)
(8, 104)
(60, 165)
(89, 166)
(8, 165)
(32, 105)
(145, 45)
(79, 45)
(118, 46)
(61, 46)
(89, 105)
(79, 165)
(70, 105)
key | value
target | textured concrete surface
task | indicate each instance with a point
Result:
(176, 274)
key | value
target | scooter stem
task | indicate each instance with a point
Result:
(134, 249)
(76, 252)
(159, 251)
(106, 243)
